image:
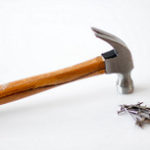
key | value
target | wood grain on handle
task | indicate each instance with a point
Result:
(36, 84)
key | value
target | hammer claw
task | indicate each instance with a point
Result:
(110, 38)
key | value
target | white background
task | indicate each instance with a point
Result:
(39, 36)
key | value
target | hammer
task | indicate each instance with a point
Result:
(118, 60)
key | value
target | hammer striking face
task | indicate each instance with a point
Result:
(118, 61)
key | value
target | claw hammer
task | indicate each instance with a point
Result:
(118, 60)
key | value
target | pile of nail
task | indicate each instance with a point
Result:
(141, 114)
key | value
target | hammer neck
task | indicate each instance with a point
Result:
(125, 83)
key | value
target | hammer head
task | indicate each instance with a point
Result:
(118, 60)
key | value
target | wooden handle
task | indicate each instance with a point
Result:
(36, 84)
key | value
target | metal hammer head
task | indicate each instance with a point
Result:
(118, 60)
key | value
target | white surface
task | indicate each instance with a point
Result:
(38, 36)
